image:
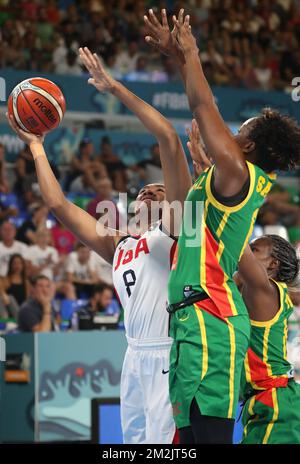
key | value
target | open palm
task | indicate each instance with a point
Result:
(99, 77)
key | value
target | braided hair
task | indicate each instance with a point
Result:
(285, 253)
(277, 141)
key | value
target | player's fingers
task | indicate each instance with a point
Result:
(91, 81)
(176, 23)
(180, 16)
(188, 132)
(187, 21)
(84, 57)
(90, 57)
(98, 62)
(149, 24)
(164, 18)
(151, 41)
(195, 129)
(154, 18)
(190, 147)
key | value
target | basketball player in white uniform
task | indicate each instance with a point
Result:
(141, 265)
(140, 272)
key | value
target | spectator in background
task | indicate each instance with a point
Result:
(43, 259)
(4, 184)
(104, 192)
(16, 283)
(114, 166)
(70, 65)
(9, 246)
(8, 306)
(262, 73)
(103, 269)
(81, 271)
(85, 168)
(152, 167)
(63, 240)
(37, 312)
(127, 59)
(27, 232)
(7, 211)
(141, 72)
(25, 176)
(99, 302)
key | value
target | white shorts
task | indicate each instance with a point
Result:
(146, 411)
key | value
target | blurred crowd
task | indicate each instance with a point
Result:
(250, 44)
(34, 244)
(41, 263)
(45, 274)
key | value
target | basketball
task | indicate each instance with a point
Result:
(37, 104)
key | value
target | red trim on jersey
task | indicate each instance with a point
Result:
(176, 440)
(265, 398)
(215, 276)
(259, 373)
(172, 253)
(210, 307)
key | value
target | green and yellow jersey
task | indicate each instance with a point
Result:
(206, 259)
(271, 413)
(266, 365)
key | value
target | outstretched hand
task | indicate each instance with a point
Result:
(100, 78)
(200, 160)
(160, 36)
(185, 38)
(27, 137)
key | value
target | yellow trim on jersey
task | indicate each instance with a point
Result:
(203, 251)
(222, 224)
(277, 315)
(254, 216)
(198, 184)
(247, 370)
(220, 251)
(284, 340)
(203, 340)
(229, 295)
(231, 209)
(274, 418)
(265, 350)
(248, 374)
(232, 368)
(251, 413)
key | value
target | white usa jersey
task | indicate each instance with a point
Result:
(141, 269)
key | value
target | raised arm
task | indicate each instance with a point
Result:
(172, 155)
(259, 292)
(82, 224)
(252, 273)
(230, 167)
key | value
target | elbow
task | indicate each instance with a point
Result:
(198, 104)
(56, 205)
(169, 134)
(56, 202)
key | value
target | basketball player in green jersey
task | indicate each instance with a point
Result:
(210, 323)
(271, 412)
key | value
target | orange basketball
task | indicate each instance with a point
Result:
(37, 105)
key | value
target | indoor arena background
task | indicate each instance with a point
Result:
(250, 51)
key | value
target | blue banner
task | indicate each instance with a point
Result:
(236, 105)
